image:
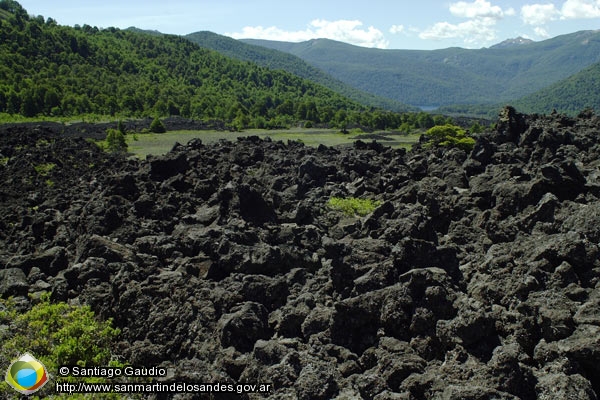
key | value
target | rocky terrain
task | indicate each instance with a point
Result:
(476, 278)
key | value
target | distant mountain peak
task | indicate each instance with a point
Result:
(518, 41)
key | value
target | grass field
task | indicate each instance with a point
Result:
(156, 144)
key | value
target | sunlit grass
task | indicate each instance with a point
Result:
(156, 144)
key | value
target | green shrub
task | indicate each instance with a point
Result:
(56, 334)
(44, 169)
(115, 140)
(450, 136)
(352, 206)
(157, 126)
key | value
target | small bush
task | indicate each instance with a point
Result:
(352, 206)
(450, 136)
(115, 140)
(44, 169)
(57, 334)
(157, 126)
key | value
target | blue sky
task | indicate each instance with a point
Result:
(392, 24)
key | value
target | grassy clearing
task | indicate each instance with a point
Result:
(149, 143)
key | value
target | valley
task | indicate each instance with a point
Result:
(457, 76)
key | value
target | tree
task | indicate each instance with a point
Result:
(121, 127)
(425, 120)
(476, 128)
(51, 100)
(157, 126)
(115, 140)
(13, 102)
(451, 136)
(29, 105)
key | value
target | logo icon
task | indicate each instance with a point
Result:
(27, 375)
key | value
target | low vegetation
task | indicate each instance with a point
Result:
(352, 206)
(57, 334)
(44, 169)
(142, 145)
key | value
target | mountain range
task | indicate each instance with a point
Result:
(275, 59)
(454, 75)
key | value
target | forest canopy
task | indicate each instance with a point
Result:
(52, 70)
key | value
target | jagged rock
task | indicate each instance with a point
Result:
(171, 165)
(245, 325)
(13, 282)
(316, 383)
(563, 386)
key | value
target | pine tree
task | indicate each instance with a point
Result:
(115, 140)
(121, 127)
(157, 126)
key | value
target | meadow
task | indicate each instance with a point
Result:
(142, 144)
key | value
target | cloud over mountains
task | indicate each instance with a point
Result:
(474, 23)
(349, 31)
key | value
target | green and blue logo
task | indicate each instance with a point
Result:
(26, 375)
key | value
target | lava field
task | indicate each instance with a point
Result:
(477, 276)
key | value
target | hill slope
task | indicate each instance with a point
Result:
(568, 96)
(47, 69)
(454, 75)
(275, 59)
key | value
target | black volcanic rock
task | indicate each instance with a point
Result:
(478, 276)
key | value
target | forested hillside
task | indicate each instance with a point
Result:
(569, 96)
(454, 75)
(275, 59)
(52, 70)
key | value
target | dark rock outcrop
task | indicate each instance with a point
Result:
(478, 276)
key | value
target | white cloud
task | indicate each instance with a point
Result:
(576, 9)
(397, 29)
(479, 8)
(472, 31)
(482, 17)
(349, 31)
(541, 32)
(539, 14)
